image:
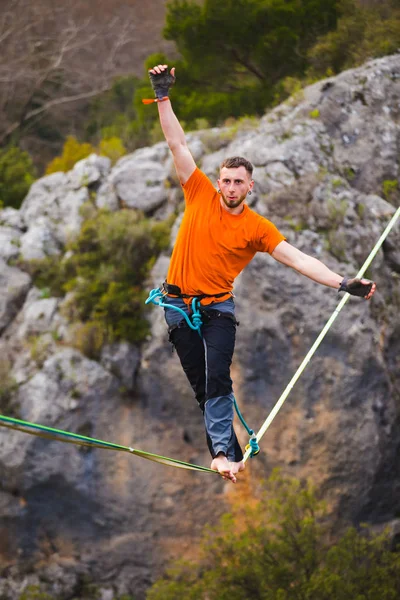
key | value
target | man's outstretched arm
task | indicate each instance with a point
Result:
(317, 271)
(173, 132)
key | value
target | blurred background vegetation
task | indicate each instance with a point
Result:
(78, 89)
(234, 58)
(282, 548)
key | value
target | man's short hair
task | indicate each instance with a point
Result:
(238, 161)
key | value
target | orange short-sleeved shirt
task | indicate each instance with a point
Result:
(213, 246)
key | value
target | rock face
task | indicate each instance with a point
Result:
(326, 167)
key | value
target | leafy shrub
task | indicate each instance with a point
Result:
(112, 147)
(362, 33)
(17, 174)
(73, 151)
(33, 592)
(280, 551)
(89, 338)
(112, 114)
(105, 269)
(50, 274)
(390, 189)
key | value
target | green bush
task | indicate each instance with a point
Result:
(89, 338)
(105, 269)
(390, 189)
(113, 114)
(17, 174)
(112, 147)
(362, 33)
(279, 550)
(33, 592)
(73, 151)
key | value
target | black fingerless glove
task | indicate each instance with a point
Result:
(161, 83)
(355, 287)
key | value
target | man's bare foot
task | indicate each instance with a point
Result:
(236, 467)
(221, 464)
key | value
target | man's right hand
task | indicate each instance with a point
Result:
(161, 80)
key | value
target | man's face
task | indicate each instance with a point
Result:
(234, 185)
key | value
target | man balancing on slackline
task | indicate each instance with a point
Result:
(218, 237)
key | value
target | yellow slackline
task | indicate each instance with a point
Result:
(321, 336)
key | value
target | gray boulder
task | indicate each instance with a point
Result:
(14, 285)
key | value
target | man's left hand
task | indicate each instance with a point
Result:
(364, 288)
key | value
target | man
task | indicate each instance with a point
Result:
(218, 236)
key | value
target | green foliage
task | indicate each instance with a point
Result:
(17, 174)
(112, 147)
(235, 51)
(390, 189)
(232, 74)
(289, 86)
(105, 270)
(8, 387)
(50, 274)
(33, 592)
(279, 550)
(240, 56)
(314, 114)
(362, 33)
(113, 115)
(72, 152)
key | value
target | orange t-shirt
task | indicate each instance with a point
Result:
(213, 246)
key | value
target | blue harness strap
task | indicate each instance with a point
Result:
(194, 320)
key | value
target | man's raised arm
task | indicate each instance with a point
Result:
(161, 81)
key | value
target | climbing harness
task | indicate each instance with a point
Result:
(195, 322)
(68, 437)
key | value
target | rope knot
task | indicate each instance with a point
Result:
(253, 445)
(196, 316)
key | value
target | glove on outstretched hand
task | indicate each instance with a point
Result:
(355, 287)
(161, 83)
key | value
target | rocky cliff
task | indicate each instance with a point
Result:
(326, 174)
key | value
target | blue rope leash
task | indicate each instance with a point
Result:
(195, 322)
(253, 444)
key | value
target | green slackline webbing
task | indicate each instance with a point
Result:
(321, 336)
(82, 440)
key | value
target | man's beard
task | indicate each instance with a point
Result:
(233, 203)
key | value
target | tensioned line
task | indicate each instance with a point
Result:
(81, 440)
(321, 336)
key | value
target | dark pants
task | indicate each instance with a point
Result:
(206, 361)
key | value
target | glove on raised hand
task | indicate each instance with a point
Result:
(355, 287)
(161, 83)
